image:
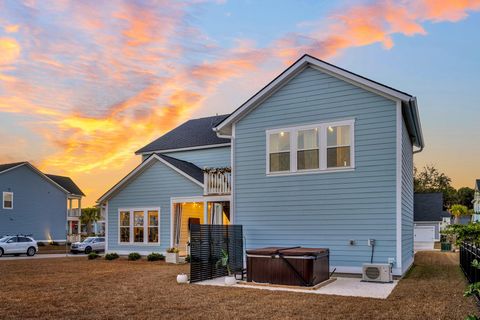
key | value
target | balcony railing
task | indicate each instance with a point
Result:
(217, 181)
(76, 212)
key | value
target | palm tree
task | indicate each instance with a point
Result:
(458, 210)
(90, 216)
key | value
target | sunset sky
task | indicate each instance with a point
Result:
(83, 84)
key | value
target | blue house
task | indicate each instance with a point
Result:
(38, 204)
(320, 157)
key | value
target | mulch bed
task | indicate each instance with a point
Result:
(73, 288)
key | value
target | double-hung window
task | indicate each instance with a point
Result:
(279, 151)
(311, 148)
(7, 200)
(139, 226)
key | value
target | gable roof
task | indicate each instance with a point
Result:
(8, 166)
(186, 169)
(429, 207)
(67, 184)
(409, 103)
(63, 183)
(195, 133)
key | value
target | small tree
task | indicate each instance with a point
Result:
(458, 210)
(465, 196)
(430, 179)
(90, 216)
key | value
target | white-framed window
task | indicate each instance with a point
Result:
(320, 147)
(7, 200)
(139, 226)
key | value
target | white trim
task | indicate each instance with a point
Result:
(318, 64)
(3, 200)
(140, 167)
(322, 147)
(232, 181)
(145, 211)
(106, 225)
(207, 146)
(399, 124)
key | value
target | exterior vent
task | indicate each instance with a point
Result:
(377, 272)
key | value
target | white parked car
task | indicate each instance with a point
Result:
(90, 244)
(17, 245)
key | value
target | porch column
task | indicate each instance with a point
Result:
(205, 212)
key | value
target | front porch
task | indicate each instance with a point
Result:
(74, 211)
(196, 210)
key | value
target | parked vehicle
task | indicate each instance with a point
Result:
(17, 245)
(88, 245)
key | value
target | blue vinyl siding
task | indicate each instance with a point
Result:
(151, 188)
(212, 157)
(39, 207)
(321, 209)
(407, 199)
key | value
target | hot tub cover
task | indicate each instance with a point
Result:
(288, 251)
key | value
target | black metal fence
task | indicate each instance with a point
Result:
(206, 244)
(468, 253)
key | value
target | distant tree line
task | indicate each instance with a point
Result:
(430, 179)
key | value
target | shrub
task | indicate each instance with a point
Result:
(134, 256)
(93, 256)
(173, 250)
(458, 233)
(155, 257)
(111, 256)
(41, 244)
(54, 243)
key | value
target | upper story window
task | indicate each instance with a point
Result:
(8, 200)
(279, 151)
(338, 146)
(312, 148)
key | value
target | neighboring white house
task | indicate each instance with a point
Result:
(429, 219)
(476, 202)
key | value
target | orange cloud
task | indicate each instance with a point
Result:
(9, 51)
(12, 28)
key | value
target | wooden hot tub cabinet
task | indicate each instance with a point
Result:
(295, 266)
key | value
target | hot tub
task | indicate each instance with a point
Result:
(295, 266)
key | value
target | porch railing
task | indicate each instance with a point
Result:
(217, 182)
(76, 212)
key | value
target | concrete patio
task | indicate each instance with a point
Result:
(342, 286)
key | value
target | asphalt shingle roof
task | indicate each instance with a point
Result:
(429, 207)
(193, 133)
(7, 166)
(187, 167)
(67, 184)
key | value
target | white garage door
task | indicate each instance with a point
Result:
(424, 237)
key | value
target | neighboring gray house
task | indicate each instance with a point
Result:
(320, 157)
(37, 204)
(429, 219)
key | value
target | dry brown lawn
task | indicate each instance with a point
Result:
(75, 288)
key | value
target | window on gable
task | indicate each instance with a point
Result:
(338, 146)
(279, 149)
(307, 149)
(8, 200)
